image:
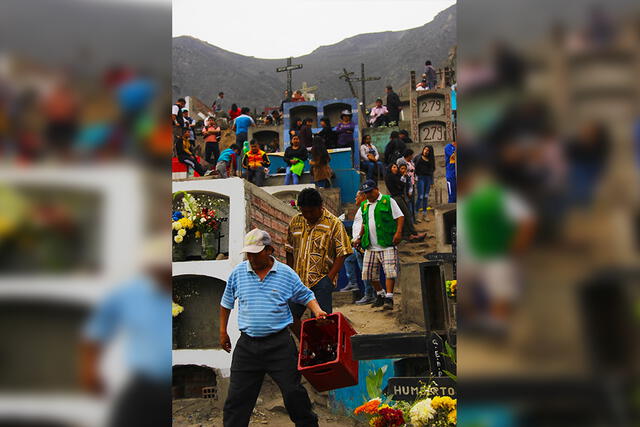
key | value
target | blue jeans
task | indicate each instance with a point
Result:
(424, 186)
(291, 176)
(323, 183)
(323, 291)
(353, 266)
(370, 167)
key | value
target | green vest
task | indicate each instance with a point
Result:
(489, 230)
(385, 224)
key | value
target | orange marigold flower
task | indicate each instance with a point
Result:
(368, 408)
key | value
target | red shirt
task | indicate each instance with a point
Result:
(233, 114)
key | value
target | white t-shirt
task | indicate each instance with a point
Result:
(373, 236)
(175, 110)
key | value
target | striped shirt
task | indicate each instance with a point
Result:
(316, 247)
(263, 305)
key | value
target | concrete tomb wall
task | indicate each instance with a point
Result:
(196, 327)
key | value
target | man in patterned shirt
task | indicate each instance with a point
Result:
(317, 245)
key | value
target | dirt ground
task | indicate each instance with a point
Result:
(269, 410)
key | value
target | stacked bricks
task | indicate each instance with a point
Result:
(271, 215)
(331, 200)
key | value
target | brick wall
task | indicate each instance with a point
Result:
(331, 200)
(270, 214)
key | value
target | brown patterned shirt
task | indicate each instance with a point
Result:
(315, 248)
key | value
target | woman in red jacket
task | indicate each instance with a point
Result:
(234, 111)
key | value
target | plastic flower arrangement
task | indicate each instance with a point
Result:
(381, 415)
(181, 227)
(436, 412)
(207, 221)
(176, 309)
(387, 417)
(422, 413)
(452, 288)
(370, 407)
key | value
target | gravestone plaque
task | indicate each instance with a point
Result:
(441, 256)
(407, 388)
(431, 106)
(433, 132)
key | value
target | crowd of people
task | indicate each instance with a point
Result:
(318, 244)
(408, 175)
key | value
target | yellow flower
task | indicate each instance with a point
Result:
(198, 234)
(186, 223)
(176, 225)
(452, 418)
(443, 402)
(182, 232)
(178, 239)
(176, 309)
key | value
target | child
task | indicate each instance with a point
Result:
(226, 165)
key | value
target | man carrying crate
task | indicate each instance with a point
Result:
(263, 286)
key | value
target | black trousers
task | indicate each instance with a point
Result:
(193, 163)
(143, 403)
(211, 152)
(256, 176)
(277, 356)
(408, 228)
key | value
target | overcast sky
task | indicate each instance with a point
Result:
(283, 28)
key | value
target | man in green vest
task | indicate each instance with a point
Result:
(380, 232)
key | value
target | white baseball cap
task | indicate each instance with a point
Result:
(255, 241)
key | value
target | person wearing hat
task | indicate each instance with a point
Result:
(404, 137)
(379, 115)
(263, 287)
(345, 130)
(380, 232)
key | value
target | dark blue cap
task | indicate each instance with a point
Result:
(368, 185)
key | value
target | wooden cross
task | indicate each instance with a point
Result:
(307, 89)
(288, 69)
(364, 79)
(346, 75)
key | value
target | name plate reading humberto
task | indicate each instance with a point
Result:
(406, 388)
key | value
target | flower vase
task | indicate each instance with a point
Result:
(209, 246)
(192, 248)
(178, 252)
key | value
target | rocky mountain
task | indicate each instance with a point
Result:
(202, 70)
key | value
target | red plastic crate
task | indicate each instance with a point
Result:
(178, 166)
(316, 335)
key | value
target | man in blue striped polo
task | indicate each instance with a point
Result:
(263, 287)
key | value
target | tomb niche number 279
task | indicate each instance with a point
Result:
(433, 132)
